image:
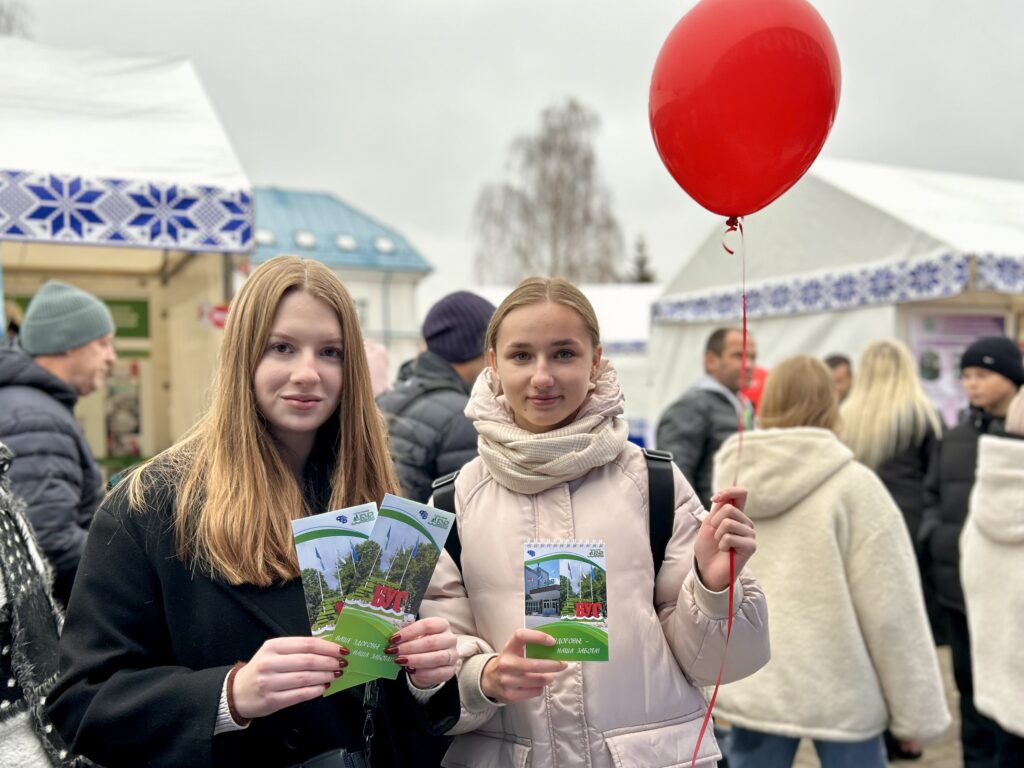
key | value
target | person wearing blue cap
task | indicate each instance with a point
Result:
(65, 350)
(428, 433)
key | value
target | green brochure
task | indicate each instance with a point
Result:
(328, 546)
(566, 590)
(392, 574)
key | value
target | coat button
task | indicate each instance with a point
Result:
(293, 739)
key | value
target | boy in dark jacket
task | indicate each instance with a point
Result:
(428, 434)
(992, 372)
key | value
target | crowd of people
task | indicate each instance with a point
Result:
(163, 623)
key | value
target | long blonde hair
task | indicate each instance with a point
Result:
(235, 495)
(887, 410)
(799, 393)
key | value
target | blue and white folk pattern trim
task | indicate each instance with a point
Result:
(74, 209)
(886, 283)
(1004, 274)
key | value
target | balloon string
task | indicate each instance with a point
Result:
(734, 224)
(721, 668)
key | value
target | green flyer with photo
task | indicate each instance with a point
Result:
(391, 576)
(566, 589)
(329, 546)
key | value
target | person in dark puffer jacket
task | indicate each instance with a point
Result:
(992, 374)
(66, 351)
(428, 433)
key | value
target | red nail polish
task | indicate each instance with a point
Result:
(391, 650)
(395, 639)
(402, 660)
(343, 651)
(342, 663)
(339, 672)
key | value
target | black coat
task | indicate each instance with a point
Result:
(147, 646)
(947, 495)
(428, 433)
(904, 475)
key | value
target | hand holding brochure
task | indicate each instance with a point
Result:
(567, 597)
(391, 579)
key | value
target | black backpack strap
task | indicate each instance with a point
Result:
(444, 498)
(661, 494)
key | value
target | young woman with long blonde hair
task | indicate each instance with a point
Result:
(891, 426)
(187, 640)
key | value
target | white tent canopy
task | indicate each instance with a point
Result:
(115, 174)
(108, 150)
(839, 259)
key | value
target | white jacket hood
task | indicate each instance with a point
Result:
(779, 467)
(997, 502)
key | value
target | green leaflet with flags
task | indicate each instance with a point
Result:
(328, 547)
(394, 569)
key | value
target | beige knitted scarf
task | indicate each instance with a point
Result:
(529, 463)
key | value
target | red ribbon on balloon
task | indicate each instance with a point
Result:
(743, 95)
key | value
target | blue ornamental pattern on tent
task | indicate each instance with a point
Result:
(73, 209)
(1004, 274)
(887, 283)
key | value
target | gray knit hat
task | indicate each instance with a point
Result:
(454, 327)
(61, 317)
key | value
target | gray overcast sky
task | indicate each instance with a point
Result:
(405, 109)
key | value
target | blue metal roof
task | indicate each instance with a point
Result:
(344, 237)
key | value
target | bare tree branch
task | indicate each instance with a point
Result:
(556, 217)
(15, 19)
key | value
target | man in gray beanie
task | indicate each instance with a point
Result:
(429, 434)
(65, 350)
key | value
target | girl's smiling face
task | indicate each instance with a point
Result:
(298, 381)
(546, 362)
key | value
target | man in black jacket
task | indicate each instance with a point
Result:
(66, 350)
(992, 372)
(695, 426)
(428, 433)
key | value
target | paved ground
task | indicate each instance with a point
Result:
(944, 754)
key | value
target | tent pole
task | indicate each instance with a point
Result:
(229, 274)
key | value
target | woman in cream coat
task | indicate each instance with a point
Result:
(992, 570)
(852, 650)
(555, 464)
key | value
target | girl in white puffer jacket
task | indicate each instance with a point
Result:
(555, 464)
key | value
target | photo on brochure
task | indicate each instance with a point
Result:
(394, 568)
(566, 596)
(330, 547)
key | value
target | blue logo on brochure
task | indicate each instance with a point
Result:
(342, 519)
(424, 514)
(531, 553)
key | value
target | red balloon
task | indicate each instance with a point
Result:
(743, 95)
